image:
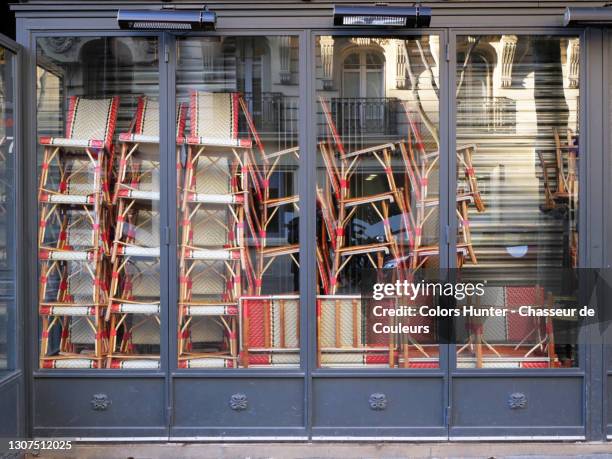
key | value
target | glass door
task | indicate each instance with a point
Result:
(377, 372)
(100, 306)
(239, 317)
(517, 162)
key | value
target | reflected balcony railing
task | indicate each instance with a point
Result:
(490, 114)
(364, 120)
(275, 116)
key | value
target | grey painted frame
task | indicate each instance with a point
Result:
(306, 21)
(12, 390)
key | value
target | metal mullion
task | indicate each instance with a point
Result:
(591, 210)
(168, 262)
(450, 227)
(448, 186)
(307, 222)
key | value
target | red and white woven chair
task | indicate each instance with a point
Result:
(270, 331)
(271, 208)
(134, 340)
(341, 166)
(72, 297)
(73, 234)
(346, 337)
(216, 213)
(513, 341)
(139, 158)
(341, 339)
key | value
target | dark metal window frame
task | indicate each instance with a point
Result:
(69, 23)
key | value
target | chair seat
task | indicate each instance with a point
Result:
(213, 254)
(363, 249)
(274, 360)
(138, 138)
(70, 363)
(219, 142)
(135, 308)
(203, 310)
(206, 362)
(67, 198)
(67, 311)
(137, 363)
(133, 251)
(66, 255)
(139, 194)
(277, 202)
(277, 251)
(75, 143)
(206, 198)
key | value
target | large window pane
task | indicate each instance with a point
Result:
(7, 211)
(238, 202)
(377, 194)
(517, 160)
(99, 245)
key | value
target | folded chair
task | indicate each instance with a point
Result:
(560, 176)
(210, 285)
(139, 155)
(419, 166)
(72, 297)
(345, 336)
(134, 340)
(513, 341)
(477, 326)
(341, 166)
(270, 331)
(270, 207)
(537, 334)
(73, 234)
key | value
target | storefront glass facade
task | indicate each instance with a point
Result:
(204, 213)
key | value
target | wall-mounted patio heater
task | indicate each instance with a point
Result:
(587, 16)
(167, 19)
(382, 16)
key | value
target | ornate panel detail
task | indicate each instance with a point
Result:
(517, 401)
(100, 402)
(239, 402)
(378, 401)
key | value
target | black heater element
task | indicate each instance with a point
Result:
(588, 16)
(167, 19)
(382, 16)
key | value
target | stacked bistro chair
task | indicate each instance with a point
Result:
(560, 178)
(419, 165)
(513, 341)
(216, 210)
(268, 209)
(414, 209)
(340, 319)
(337, 207)
(269, 331)
(346, 337)
(73, 235)
(134, 303)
